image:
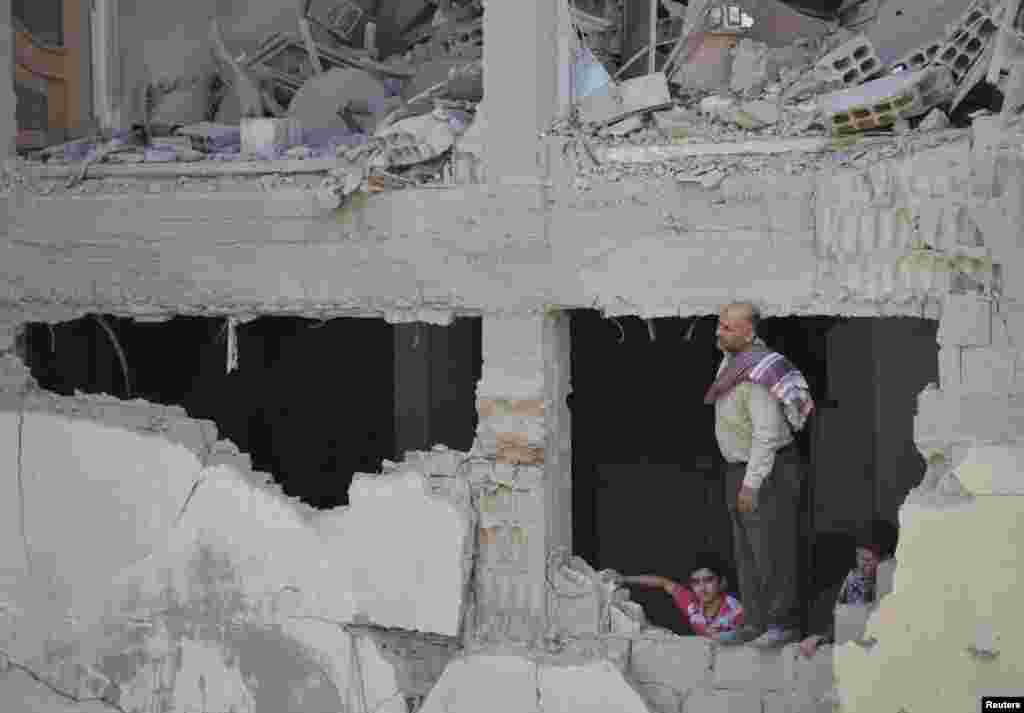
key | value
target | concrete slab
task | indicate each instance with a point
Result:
(594, 687)
(748, 667)
(494, 683)
(415, 582)
(99, 498)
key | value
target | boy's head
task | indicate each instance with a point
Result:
(707, 578)
(874, 544)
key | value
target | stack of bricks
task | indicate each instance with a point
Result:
(520, 483)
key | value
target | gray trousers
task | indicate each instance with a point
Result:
(766, 542)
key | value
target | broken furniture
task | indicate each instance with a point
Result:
(284, 61)
(339, 17)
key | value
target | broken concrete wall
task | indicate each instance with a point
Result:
(664, 673)
(500, 681)
(944, 652)
(144, 563)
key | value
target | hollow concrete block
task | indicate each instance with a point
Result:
(748, 667)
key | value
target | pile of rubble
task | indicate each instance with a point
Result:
(411, 119)
(766, 105)
(318, 93)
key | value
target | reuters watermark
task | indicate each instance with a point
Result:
(1002, 703)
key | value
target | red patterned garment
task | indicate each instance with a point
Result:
(728, 618)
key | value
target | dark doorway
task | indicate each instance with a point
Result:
(311, 402)
(647, 474)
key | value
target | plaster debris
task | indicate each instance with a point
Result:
(936, 120)
(728, 85)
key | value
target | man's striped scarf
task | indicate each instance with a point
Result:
(772, 371)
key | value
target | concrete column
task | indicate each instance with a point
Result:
(8, 101)
(521, 83)
(522, 475)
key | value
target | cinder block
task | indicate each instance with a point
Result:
(748, 667)
(968, 41)
(854, 62)
(851, 622)
(966, 321)
(712, 701)
(988, 370)
(882, 101)
(813, 677)
(680, 662)
(918, 59)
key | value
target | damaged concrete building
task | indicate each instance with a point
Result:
(348, 353)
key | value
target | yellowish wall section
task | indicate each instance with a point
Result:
(957, 592)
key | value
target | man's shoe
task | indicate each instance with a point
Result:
(775, 637)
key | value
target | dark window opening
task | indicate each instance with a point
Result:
(43, 19)
(648, 491)
(311, 402)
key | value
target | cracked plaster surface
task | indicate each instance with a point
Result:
(170, 575)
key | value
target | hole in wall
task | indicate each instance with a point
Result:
(311, 402)
(648, 488)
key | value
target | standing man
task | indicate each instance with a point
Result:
(760, 399)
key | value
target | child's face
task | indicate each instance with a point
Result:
(867, 562)
(705, 584)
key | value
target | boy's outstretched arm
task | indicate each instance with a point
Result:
(652, 580)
